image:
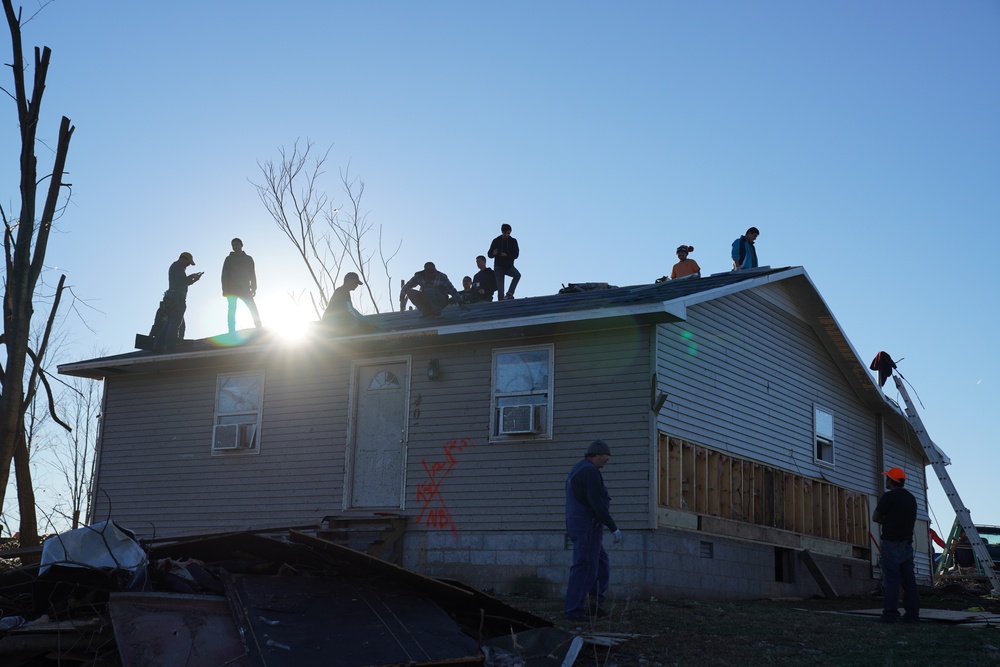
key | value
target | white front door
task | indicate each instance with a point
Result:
(379, 455)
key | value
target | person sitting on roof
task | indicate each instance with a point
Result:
(341, 312)
(685, 267)
(432, 297)
(466, 292)
(484, 283)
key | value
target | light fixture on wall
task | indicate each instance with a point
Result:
(433, 369)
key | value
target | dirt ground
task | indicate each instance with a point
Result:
(777, 632)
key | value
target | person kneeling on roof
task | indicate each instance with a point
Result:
(432, 297)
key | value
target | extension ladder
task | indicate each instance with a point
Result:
(938, 462)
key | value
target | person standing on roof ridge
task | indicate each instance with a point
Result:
(174, 303)
(896, 512)
(239, 281)
(744, 252)
(504, 250)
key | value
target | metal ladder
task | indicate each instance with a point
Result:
(938, 462)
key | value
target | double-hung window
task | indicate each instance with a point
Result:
(238, 401)
(823, 435)
(522, 393)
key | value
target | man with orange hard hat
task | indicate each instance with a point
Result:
(897, 513)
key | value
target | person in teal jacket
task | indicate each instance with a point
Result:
(744, 252)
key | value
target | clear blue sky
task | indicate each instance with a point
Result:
(861, 138)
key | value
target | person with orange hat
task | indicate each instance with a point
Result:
(896, 512)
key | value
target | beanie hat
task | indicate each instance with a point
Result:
(598, 447)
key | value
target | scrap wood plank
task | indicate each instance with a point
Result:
(828, 590)
(964, 617)
(610, 638)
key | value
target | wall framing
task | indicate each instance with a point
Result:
(698, 479)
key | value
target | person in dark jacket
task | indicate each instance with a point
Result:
(588, 511)
(340, 312)
(170, 316)
(897, 513)
(432, 295)
(239, 281)
(484, 283)
(744, 252)
(504, 251)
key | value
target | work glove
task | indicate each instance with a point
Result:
(617, 536)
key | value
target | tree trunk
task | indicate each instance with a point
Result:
(25, 244)
(25, 495)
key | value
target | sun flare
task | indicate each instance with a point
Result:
(290, 321)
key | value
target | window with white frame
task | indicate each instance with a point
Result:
(522, 393)
(238, 401)
(823, 435)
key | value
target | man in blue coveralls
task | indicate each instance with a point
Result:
(587, 513)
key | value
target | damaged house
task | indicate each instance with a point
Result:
(747, 437)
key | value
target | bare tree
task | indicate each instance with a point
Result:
(75, 450)
(292, 194)
(351, 228)
(25, 243)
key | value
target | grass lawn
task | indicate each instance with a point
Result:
(781, 632)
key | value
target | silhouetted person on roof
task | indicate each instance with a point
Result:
(484, 283)
(174, 303)
(432, 295)
(340, 311)
(239, 281)
(504, 251)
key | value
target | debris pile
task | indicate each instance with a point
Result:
(285, 597)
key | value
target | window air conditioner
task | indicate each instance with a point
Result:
(520, 419)
(233, 436)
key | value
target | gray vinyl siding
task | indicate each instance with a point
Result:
(742, 375)
(158, 475)
(909, 457)
(601, 390)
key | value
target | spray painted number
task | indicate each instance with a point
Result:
(433, 510)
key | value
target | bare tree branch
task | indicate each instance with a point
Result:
(25, 245)
(291, 193)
